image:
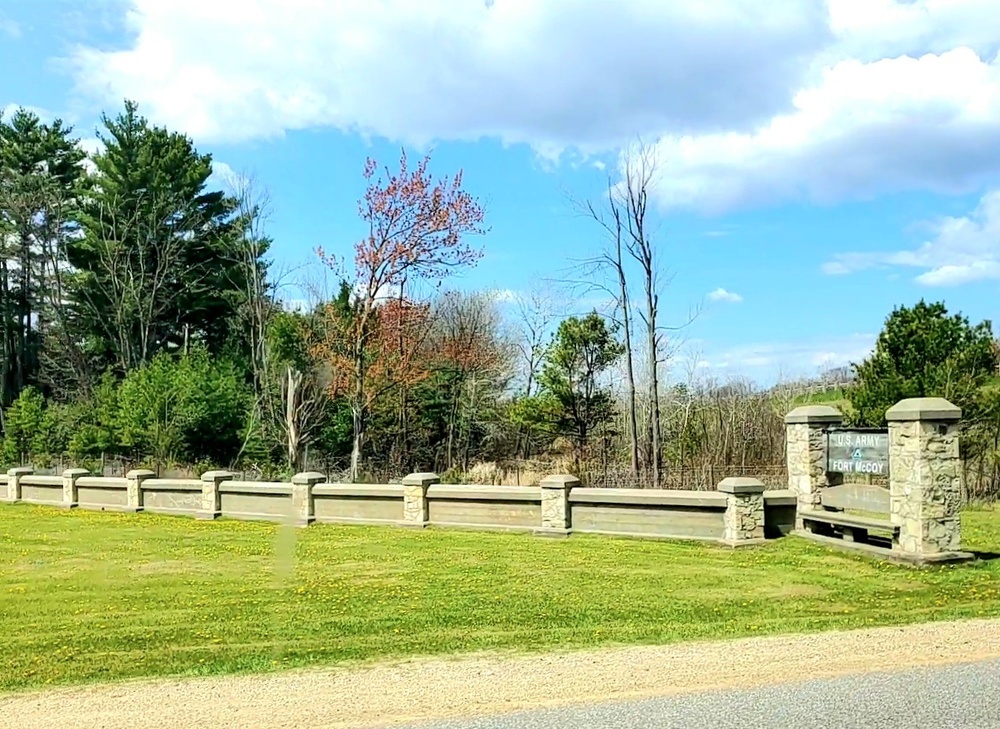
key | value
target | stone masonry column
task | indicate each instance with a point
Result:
(211, 501)
(134, 479)
(925, 475)
(415, 511)
(71, 498)
(805, 453)
(744, 518)
(303, 509)
(14, 477)
(555, 505)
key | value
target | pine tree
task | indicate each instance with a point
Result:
(40, 167)
(160, 262)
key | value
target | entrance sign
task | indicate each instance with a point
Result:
(857, 451)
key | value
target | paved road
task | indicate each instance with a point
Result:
(953, 697)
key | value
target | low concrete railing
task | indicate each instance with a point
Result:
(739, 513)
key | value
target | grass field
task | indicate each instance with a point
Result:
(94, 596)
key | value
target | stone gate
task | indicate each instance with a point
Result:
(914, 516)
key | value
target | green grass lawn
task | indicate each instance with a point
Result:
(93, 596)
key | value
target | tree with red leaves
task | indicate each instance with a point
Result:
(417, 230)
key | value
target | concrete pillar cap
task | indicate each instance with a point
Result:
(741, 485)
(923, 408)
(309, 477)
(559, 481)
(814, 415)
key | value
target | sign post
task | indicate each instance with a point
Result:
(857, 450)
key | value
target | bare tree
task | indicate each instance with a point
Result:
(303, 404)
(289, 399)
(638, 170)
(468, 337)
(612, 260)
(537, 310)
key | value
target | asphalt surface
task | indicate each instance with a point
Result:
(965, 696)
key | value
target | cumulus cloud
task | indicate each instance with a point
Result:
(896, 124)
(721, 294)
(961, 250)
(550, 73)
(747, 103)
(872, 29)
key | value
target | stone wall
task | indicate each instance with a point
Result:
(556, 507)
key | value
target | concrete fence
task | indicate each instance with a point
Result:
(740, 512)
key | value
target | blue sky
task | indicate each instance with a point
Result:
(818, 162)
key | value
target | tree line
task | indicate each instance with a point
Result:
(140, 320)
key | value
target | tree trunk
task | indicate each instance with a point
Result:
(292, 394)
(358, 420)
(6, 391)
(358, 406)
(633, 431)
(654, 382)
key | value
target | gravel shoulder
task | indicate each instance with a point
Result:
(399, 693)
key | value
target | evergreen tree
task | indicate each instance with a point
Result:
(161, 261)
(924, 352)
(40, 166)
(581, 352)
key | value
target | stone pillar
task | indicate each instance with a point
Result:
(415, 512)
(303, 511)
(805, 454)
(133, 487)
(211, 502)
(555, 504)
(14, 477)
(70, 494)
(744, 518)
(925, 475)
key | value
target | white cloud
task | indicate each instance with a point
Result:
(551, 73)
(91, 145)
(506, 296)
(721, 294)
(750, 103)
(225, 177)
(928, 123)
(295, 304)
(9, 110)
(9, 27)
(870, 29)
(789, 358)
(961, 250)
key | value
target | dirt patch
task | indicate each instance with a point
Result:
(388, 694)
